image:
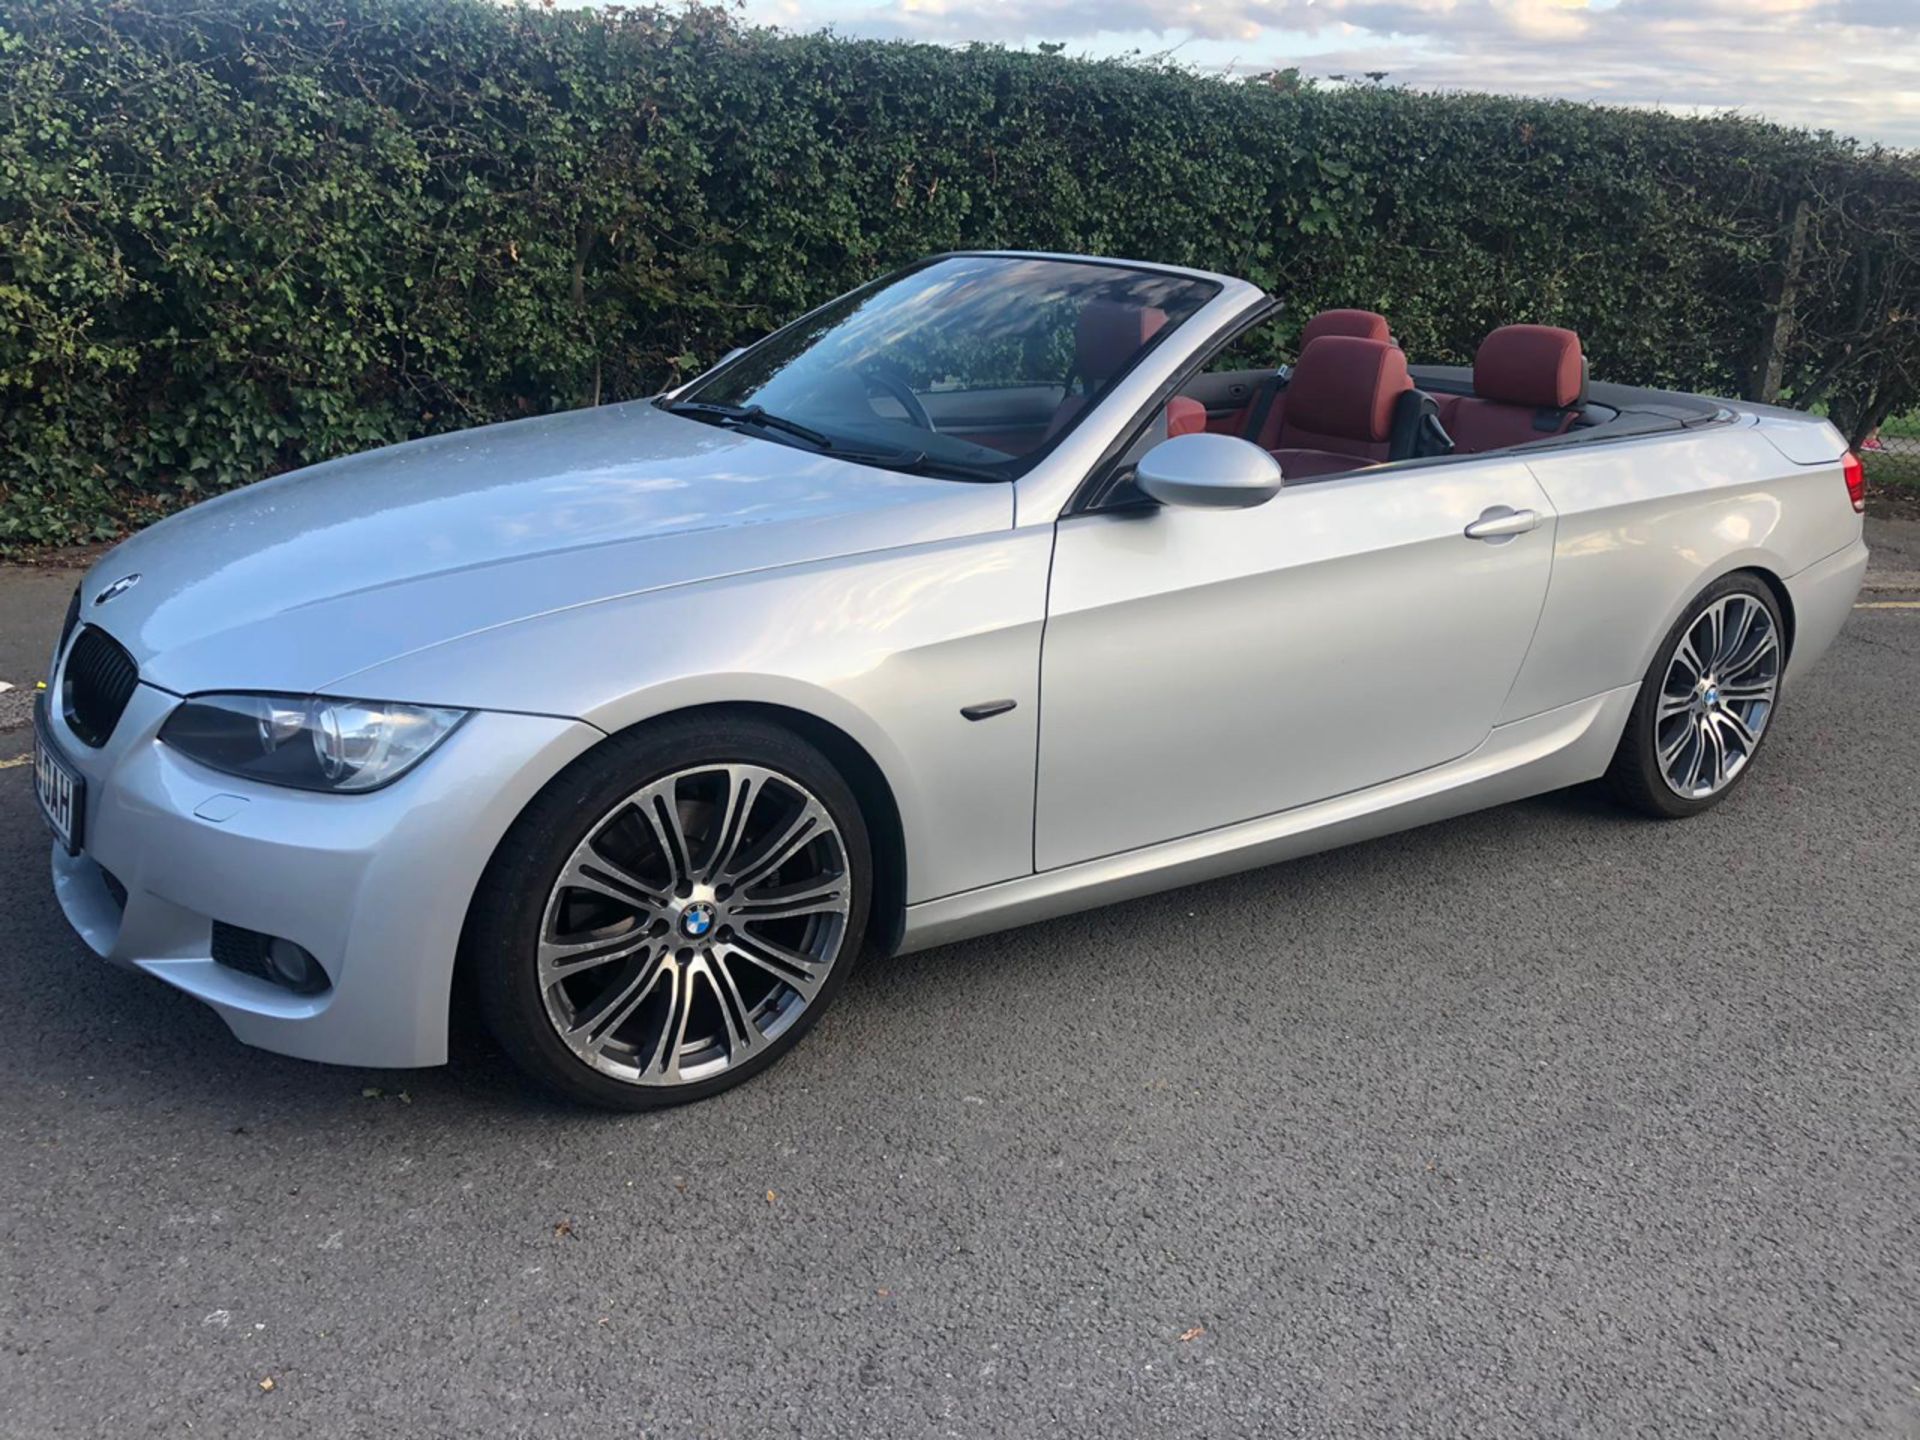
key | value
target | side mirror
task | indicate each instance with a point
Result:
(1215, 472)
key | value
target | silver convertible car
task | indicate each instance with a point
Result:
(995, 589)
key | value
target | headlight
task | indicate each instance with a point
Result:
(310, 742)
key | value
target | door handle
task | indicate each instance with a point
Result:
(1501, 522)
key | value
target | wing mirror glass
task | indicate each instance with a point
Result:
(1216, 472)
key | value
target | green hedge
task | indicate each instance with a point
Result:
(242, 235)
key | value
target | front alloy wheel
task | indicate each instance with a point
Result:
(694, 924)
(690, 929)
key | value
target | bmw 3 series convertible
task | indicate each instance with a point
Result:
(995, 589)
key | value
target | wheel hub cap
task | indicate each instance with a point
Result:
(697, 920)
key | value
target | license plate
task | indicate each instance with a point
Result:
(62, 793)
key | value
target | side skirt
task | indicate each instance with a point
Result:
(1548, 751)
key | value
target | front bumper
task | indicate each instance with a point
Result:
(376, 886)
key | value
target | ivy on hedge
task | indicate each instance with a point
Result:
(242, 235)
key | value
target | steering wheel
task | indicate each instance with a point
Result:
(894, 386)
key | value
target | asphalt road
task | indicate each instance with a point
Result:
(1543, 1122)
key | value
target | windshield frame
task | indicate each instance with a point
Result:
(1206, 289)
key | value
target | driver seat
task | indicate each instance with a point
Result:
(1342, 403)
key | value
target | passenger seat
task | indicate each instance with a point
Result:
(1529, 382)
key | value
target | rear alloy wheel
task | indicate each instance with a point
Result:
(683, 937)
(1706, 704)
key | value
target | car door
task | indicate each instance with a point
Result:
(1202, 667)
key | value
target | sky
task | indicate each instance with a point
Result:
(1846, 65)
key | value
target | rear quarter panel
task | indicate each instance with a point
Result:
(1644, 525)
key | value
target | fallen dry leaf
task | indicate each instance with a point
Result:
(1194, 1334)
(563, 1229)
(771, 1197)
(267, 1383)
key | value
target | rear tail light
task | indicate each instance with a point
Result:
(1856, 474)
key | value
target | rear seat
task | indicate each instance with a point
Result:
(1342, 404)
(1529, 382)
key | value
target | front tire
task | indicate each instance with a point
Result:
(671, 913)
(1706, 704)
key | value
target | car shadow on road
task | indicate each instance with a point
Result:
(61, 1003)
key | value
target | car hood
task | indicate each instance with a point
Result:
(299, 581)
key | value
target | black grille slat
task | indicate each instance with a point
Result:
(98, 682)
(241, 949)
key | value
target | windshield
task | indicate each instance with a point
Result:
(971, 365)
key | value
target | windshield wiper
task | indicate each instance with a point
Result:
(918, 462)
(750, 415)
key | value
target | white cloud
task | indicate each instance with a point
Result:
(1848, 65)
(1545, 19)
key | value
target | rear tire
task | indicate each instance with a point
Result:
(672, 913)
(1706, 704)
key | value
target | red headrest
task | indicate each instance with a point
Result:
(1346, 386)
(1363, 324)
(1109, 334)
(1537, 365)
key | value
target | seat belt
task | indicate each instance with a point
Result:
(1262, 405)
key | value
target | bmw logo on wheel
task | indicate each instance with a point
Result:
(696, 920)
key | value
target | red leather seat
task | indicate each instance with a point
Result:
(1529, 382)
(1359, 324)
(1340, 406)
(1185, 416)
(1362, 324)
(1106, 337)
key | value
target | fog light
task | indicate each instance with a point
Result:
(268, 957)
(289, 965)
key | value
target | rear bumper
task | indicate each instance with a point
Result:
(376, 886)
(1823, 596)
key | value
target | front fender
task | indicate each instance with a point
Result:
(887, 647)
